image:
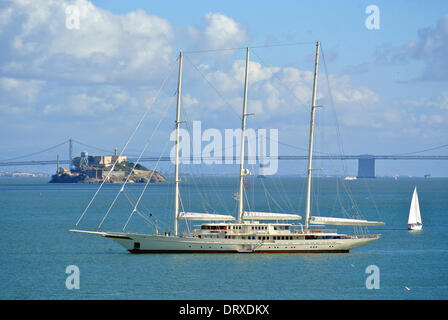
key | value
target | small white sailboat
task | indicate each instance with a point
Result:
(415, 219)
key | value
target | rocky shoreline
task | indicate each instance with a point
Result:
(80, 177)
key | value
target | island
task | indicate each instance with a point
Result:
(99, 169)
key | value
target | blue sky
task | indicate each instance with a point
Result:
(388, 86)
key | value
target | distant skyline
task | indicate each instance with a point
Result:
(90, 69)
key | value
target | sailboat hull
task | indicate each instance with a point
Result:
(415, 227)
(137, 243)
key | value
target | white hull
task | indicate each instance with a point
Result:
(243, 236)
(415, 227)
(139, 243)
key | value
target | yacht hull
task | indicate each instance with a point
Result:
(138, 243)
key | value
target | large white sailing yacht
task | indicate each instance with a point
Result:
(249, 231)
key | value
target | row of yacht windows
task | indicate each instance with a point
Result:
(307, 237)
(253, 227)
(220, 227)
(261, 237)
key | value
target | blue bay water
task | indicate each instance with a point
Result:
(35, 217)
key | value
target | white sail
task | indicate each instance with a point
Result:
(254, 215)
(414, 211)
(204, 216)
(344, 221)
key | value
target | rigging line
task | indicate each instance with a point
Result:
(138, 211)
(183, 210)
(298, 148)
(214, 88)
(244, 48)
(284, 44)
(253, 186)
(214, 50)
(340, 143)
(124, 148)
(181, 203)
(34, 153)
(135, 165)
(246, 197)
(338, 133)
(147, 183)
(145, 219)
(89, 146)
(300, 199)
(269, 196)
(266, 194)
(127, 221)
(216, 188)
(132, 203)
(204, 199)
(281, 192)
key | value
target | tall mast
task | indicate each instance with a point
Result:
(310, 148)
(243, 128)
(176, 165)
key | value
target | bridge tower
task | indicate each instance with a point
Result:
(366, 166)
(70, 151)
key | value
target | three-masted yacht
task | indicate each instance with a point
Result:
(250, 231)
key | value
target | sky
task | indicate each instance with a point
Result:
(90, 69)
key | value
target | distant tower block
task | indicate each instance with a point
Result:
(84, 160)
(366, 166)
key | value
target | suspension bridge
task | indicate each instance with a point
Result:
(366, 162)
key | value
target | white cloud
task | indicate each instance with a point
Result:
(108, 71)
(275, 91)
(105, 48)
(429, 113)
(431, 47)
(438, 102)
(26, 90)
(84, 105)
(223, 32)
(188, 101)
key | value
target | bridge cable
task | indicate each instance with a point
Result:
(34, 153)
